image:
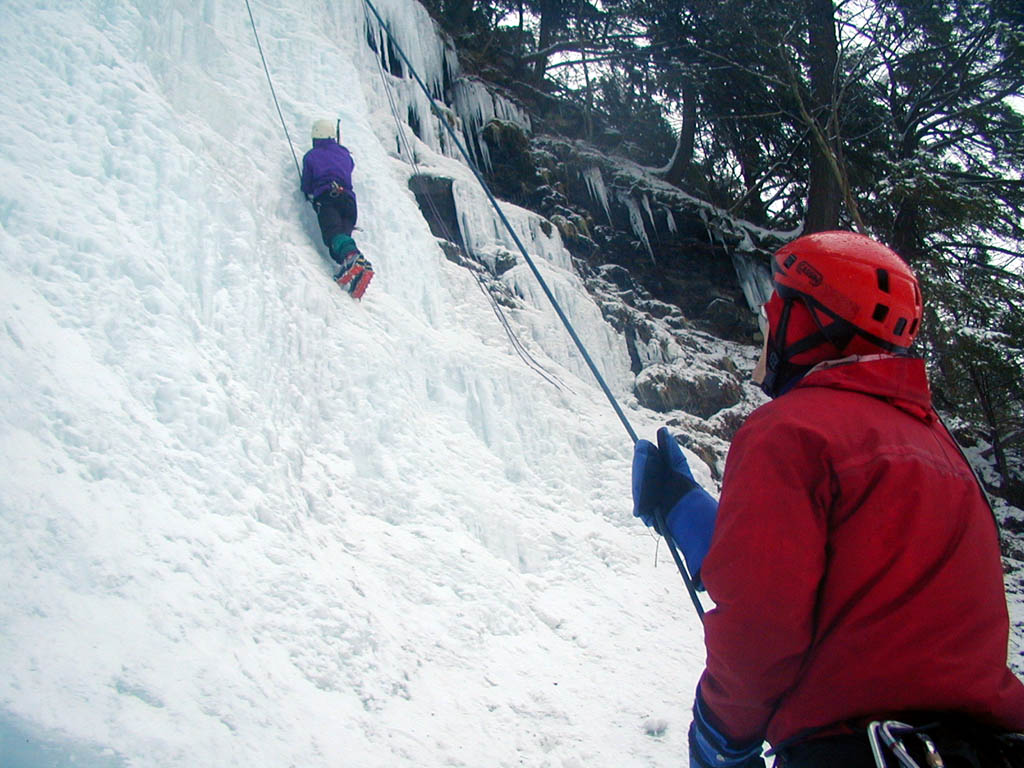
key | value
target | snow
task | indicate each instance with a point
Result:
(248, 521)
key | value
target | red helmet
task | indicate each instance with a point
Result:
(857, 297)
(854, 279)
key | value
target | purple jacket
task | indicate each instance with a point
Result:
(327, 161)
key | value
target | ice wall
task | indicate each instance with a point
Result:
(487, 238)
(483, 233)
(472, 106)
(408, 26)
(246, 520)
(464, 102)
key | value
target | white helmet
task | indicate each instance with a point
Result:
(327, 129)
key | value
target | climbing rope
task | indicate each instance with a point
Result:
(508, 226)
(406, 149)
(273, 93)
(687, 580)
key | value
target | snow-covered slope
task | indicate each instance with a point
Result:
(247, 521)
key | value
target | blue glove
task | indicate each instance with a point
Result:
(710, 748)
(662, 481)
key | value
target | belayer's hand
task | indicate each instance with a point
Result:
(662, 481)
(710, 748)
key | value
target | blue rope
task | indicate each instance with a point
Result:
(547, 291)
(508, 226)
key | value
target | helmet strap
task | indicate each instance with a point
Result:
(840, 332)
(776, 372)
(780, 371)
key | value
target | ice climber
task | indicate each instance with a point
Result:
(852, 558)
(327, 184)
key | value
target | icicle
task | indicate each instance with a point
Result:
(636, 220)
(483, 232)
(670, 219)
(650, 216)
(595, 185)
(477, 105)
(412, 28)
(755, 279)
(434, 59)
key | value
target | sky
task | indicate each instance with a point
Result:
(246, 520)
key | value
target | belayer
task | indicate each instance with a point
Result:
(860, 616)
(327, 184)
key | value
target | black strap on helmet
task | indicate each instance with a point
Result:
(779, 368)
(840, 331)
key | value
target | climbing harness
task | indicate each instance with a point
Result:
(687, 579)
(888, 735)
(273, 93)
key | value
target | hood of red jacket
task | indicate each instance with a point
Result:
(901, 381)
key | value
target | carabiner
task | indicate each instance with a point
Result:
(888, 733)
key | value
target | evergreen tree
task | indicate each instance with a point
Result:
(894, 117)
(945, 189)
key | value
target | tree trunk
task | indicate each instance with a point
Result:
(588, 125)
(456, 15)
(906, 237)
(683, 155)
(824, 195)
(983, 393)
(550, 22)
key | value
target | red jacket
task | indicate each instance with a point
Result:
(854, 566)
